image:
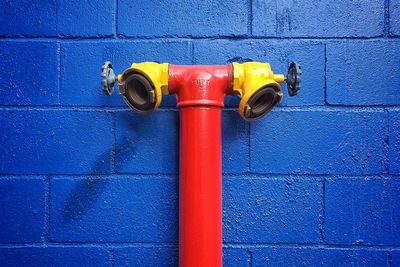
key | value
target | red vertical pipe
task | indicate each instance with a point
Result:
(200, 94)
(200, 206)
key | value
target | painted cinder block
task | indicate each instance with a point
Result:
(57, 18)
(137, 151)
(394, 142)
(183, 18)
(395, 258)
(147, 144)
(362, 211)
(28, 18)
(114, 209)
(235, 143)
(22, 210)
(81, 67)
(55, 141)
(279, 53)
(363, 73)
(54, 256)
(286, 256)
(166, 256)
(87, 18)
(273, 210)
(29, 73)
(394, 17)
(343, 18)
(319, 141)
(233, 257)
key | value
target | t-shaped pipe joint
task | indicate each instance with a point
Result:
(143, 85)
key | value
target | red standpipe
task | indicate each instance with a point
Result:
(200, 94)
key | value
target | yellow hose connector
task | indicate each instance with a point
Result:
(143, 84)
(258, 87)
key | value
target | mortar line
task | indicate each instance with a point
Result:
(114, 20)
(250, 18)
(113, 151)
(110, 252)
(325, 75)
(59, 56)
(237, 245)
(172, 176)
(248, 147)
(57, 13)
(386, 19)
(192, 52)
(323, 213)
(122, 38)
(250, 257)
(386, 142)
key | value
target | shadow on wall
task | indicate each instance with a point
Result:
(86, 192)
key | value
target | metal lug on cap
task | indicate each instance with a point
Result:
(293, 78)
(109, 78)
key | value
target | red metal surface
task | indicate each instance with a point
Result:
(200, 94)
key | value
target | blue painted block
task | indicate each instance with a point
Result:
(318, 142)
(22, 209)
(54, 256)
(114, 209)
(362, 211)
(235, 143)
(396, 258)
(52, 18)
(279, 53)
(28, 18)
(147, 144)
(394, 17)
(363, 73)
(258, 210)
(318, 257)
(140, 152)
(233, 257)
(55, 141)
(85, 18)
(168, 256)
(146, 256)
(81, 67)
(29, 73)
(183, 18)
(342, 18)
(394, 142)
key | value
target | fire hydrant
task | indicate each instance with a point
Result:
(200, 92)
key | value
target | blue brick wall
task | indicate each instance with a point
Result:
(86, 182)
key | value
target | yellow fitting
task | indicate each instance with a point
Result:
(249, 78)
(155, 73)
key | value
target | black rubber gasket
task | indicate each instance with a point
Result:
(139, 94)
(262, 102)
